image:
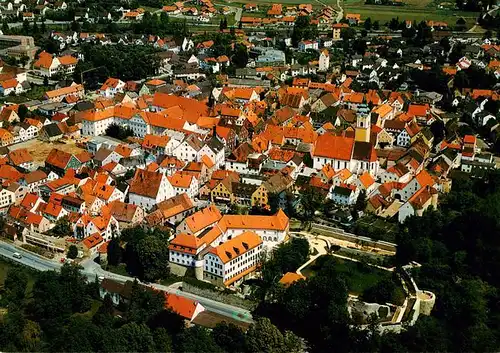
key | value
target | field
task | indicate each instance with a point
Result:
(269, 3)
(39, 150)
(413, 10)
(359, 276)
(4, 268)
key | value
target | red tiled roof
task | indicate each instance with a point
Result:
(334, 147)
(146, 183)
(183, 306)
(58, 158)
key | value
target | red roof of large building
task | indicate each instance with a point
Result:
(334, 147)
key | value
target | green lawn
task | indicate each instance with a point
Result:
(35, 93)
(269, 3)
(121, 269)
(359, 276)
(413, 10)
(4, 268)
(230, 19)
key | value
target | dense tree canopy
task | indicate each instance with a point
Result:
(145, 254)
(119, 132)
(57, 318)
(286, 258)
(126, 62)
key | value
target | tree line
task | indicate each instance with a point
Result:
(58, 315)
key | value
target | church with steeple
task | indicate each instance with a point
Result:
(346, 152)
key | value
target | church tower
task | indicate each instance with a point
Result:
(363, 123)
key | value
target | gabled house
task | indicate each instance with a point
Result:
(147, 189)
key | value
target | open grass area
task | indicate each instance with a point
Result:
(96, 304)
(359, 276)
(314, 3)
(121, 269)
(4, 269)
(413, 10)
(368, 257)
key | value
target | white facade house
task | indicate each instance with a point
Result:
(95, 127)
(343, 195)
(215, 150)
(111, 87)
(189, 149)
(107, 227)
(418, 203)
(7, 198)
(30, 132)
(185, 183)
(421, 180)
(324, 61)
(140, 127)
(184, 250)
(240, 167)
(33, 180)
(149, 188)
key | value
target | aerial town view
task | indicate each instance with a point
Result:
(226, 176)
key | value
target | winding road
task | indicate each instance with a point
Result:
(92, 269)
(340, 12)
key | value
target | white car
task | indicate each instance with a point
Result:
(17, 255)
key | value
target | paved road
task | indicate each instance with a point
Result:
(92, 269)
(315, 243)
(237, 15)
(340, 14)
(47, 22)
(28, 259)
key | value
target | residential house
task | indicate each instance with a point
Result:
(59, 162)
(127, 215)
(147, 189)
(272, 190)
(183, 182)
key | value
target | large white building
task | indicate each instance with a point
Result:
(184, 250)
(111, 87)
(7, 198)
(189, 149)
(208, 228)
(324, 61)
(233, 260)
